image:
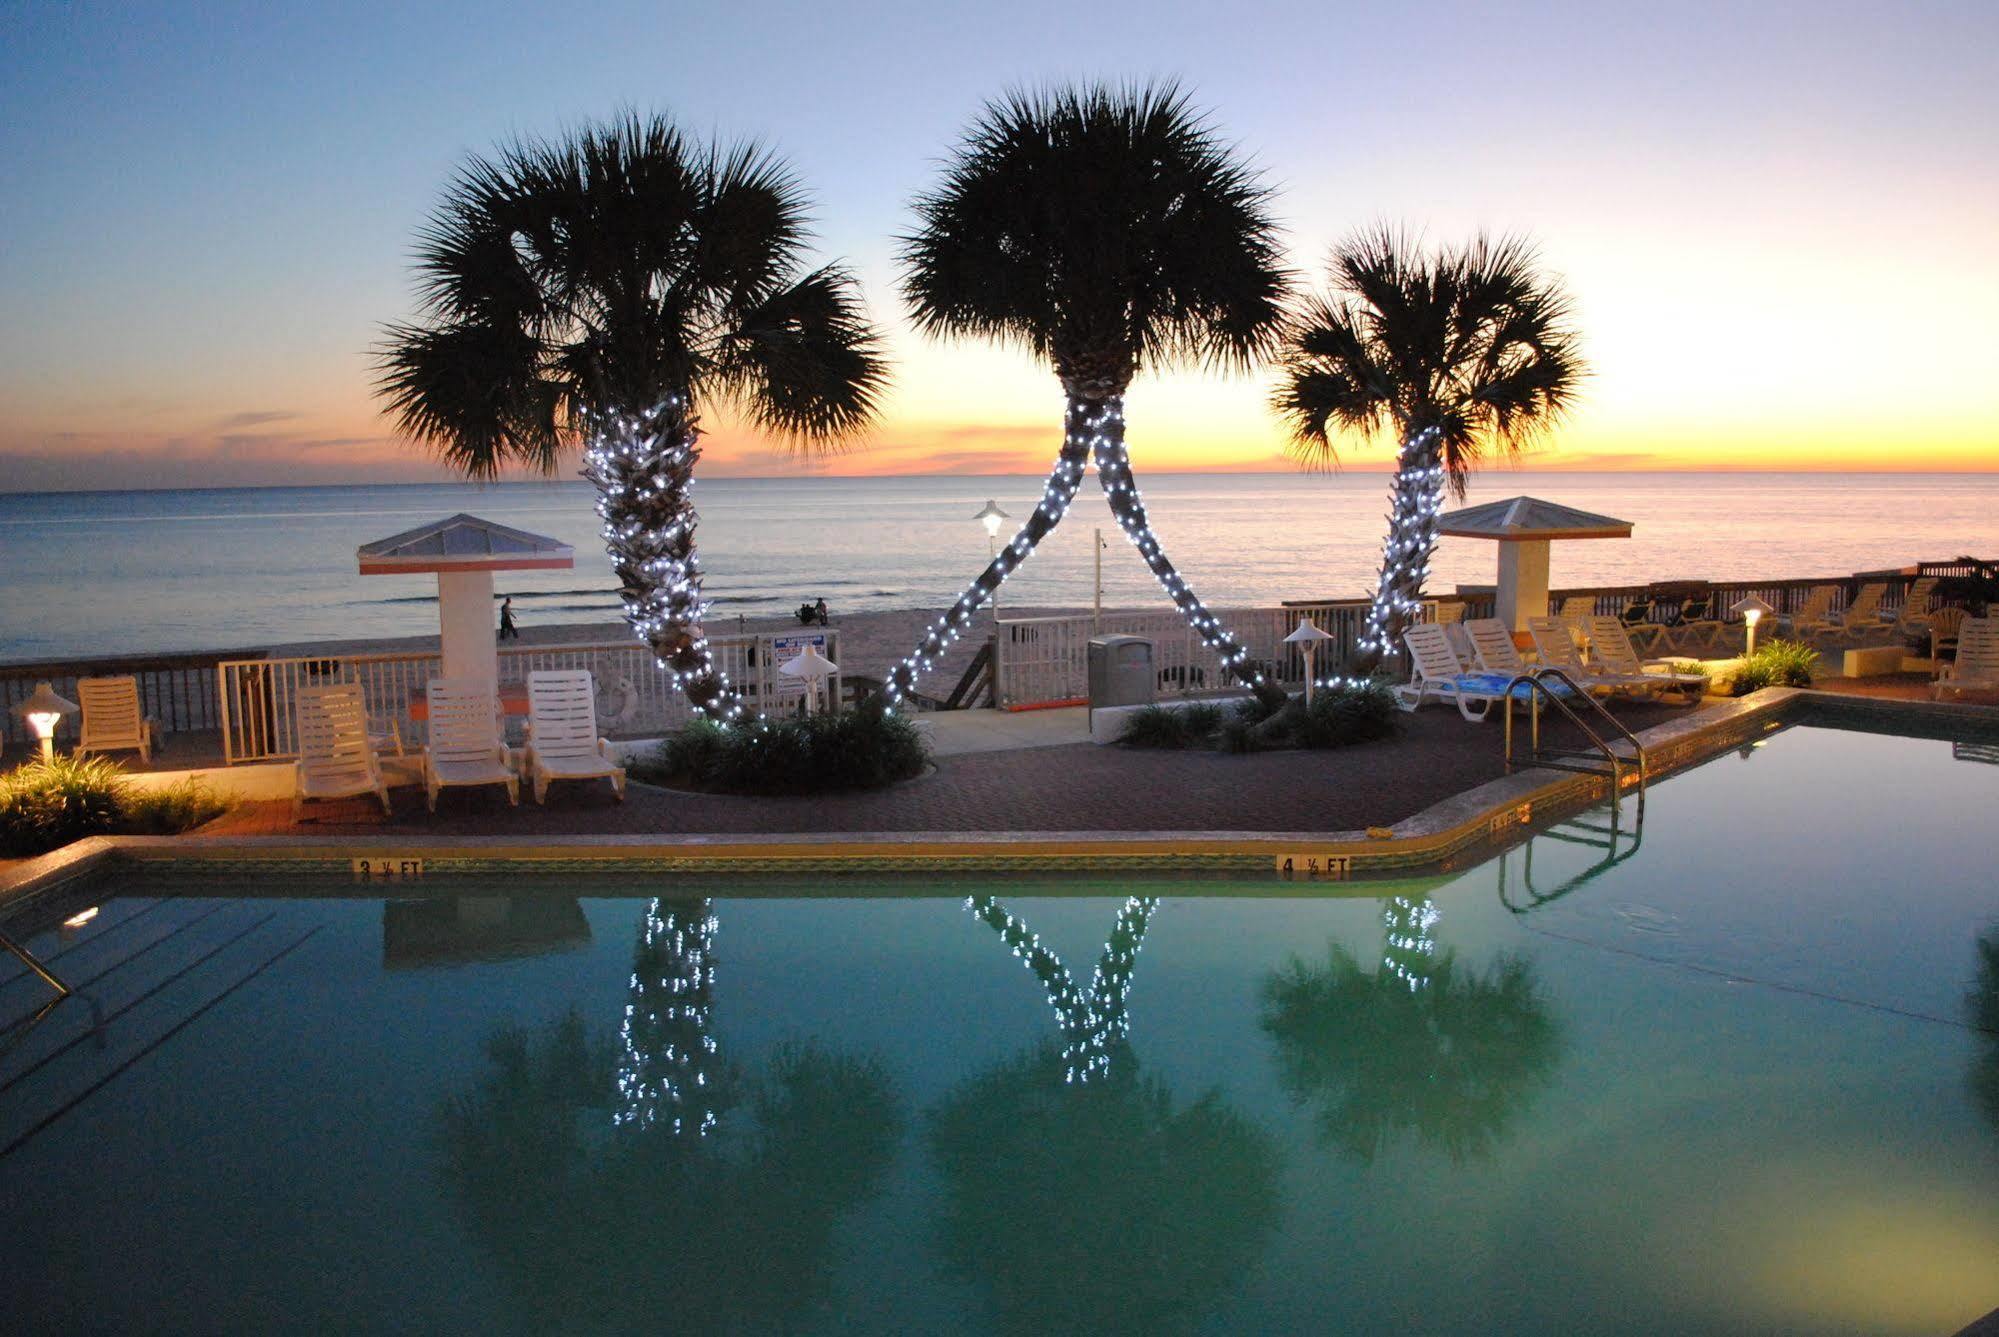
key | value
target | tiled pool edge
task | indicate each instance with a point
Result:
(1444, 838)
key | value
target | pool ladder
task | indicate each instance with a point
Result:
(1615, 841)
(1624, 771)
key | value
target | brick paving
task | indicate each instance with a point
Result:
(1080, 787)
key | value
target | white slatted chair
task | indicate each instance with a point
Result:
(465, 746)
(562, 733)
(1492, 645)
(1556, 645)
(1916, 607)
(1613, 652)
(113, 719)
(335, 759)
(1816, 614)
(1862, 617)
(1977, 666)
(1441, 676)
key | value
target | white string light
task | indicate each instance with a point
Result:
(1092, 1024)
(1412, 537)
(666, 1049)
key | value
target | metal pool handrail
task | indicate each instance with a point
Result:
(1537, 685)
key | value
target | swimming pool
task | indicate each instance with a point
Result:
(1721, 1074)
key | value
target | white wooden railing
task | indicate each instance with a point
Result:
(257, 697)
(1045, 661)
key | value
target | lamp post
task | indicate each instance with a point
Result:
(813, 669)
(44, 711)
(1753, 610)
(991, 517)
(1307, 638)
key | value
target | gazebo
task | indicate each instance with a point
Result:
(464, 552)
(1523, 528)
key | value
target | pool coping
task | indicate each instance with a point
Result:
(1443, 838)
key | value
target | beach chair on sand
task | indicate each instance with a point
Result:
(335, 759)
(113, 719)
(562, 733)
(1557, 647)
(1977, 666)
(1614, 654)
(465, 746)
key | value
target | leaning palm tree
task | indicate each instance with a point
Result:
(1458, 352)
(1109, 232)
(600, 291)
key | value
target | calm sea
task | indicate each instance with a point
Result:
(106, 572)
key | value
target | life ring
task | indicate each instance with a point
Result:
(626, 697)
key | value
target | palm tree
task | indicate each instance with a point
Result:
(1417, 1043)
(1458, 352)
(600, 291)
(1109, 232)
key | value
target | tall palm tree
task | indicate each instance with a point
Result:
(1109, 232)
(1459, 352)
(600, 291)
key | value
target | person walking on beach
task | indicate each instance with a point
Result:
(508, 631)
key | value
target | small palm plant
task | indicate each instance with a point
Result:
(1109, 232)
(599, 291)
(1458, 352)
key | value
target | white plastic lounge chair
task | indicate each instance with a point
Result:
(1916, 609)
(562, 733)
(1944, 625)
(1492, 644)
(113, 720)
(1556, 645)
(335, 759)
(1694, 626)
(1612, 650)
(465, 746)
(1977, 665)
(1862, 617)
(1441, 676)
(1816, 614)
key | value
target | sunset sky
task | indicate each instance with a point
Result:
(1780, 222)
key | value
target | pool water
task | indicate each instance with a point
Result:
(1740, 1075)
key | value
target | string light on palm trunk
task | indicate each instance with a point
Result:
(1091, 1023)
(1418, 501)
(666, 1046)
(643, 466)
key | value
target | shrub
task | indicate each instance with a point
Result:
(816, 754)
(1348, 713)
(171, 810)
(1154, 726)
(46, 804)
(1201, 719)
(1239, 735)
(1778, 664)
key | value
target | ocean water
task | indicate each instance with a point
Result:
(110, 572)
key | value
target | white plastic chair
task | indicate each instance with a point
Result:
(335, 759)
(1613, 651)
(562, 733)
(1441, 676)
(113, 720)
(1977, 666)
(1862, 617)
(465, 746)
(1916, 610)
(1492, 645)
(1816, 614)
(1556, 644)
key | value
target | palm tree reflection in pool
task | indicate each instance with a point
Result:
(1419, 1044)
(1079, 1193)
(622, 1184)
(1982, 1005)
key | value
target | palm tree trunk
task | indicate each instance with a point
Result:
(1408, 949)
(666, 1061)
(1056, 494)
(642, 461)
(1417, 496)
(1121, 490)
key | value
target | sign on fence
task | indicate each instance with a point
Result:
(784, 649)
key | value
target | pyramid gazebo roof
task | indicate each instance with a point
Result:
(464, 543)
(1518, 519)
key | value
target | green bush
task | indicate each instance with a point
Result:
(171, 810)
(816, 754)
(1170, 727)
(1240, 736)
(1201, 719)
(1348, 713)
(46, 804)
(1777, 664)
(1695, 668)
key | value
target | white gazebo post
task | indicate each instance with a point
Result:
(1523, 528)
(992, 517)
(813, 669)
(464, 551)
(1308, 638)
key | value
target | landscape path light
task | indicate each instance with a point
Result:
(1308, 638)
(813, 669)
(1753, 610)
(44, 711)
(992, 517)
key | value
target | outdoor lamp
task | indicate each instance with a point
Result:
(1753, 610)
(44, 711)
(813, 669)
(991, 517)
(1307, 638)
